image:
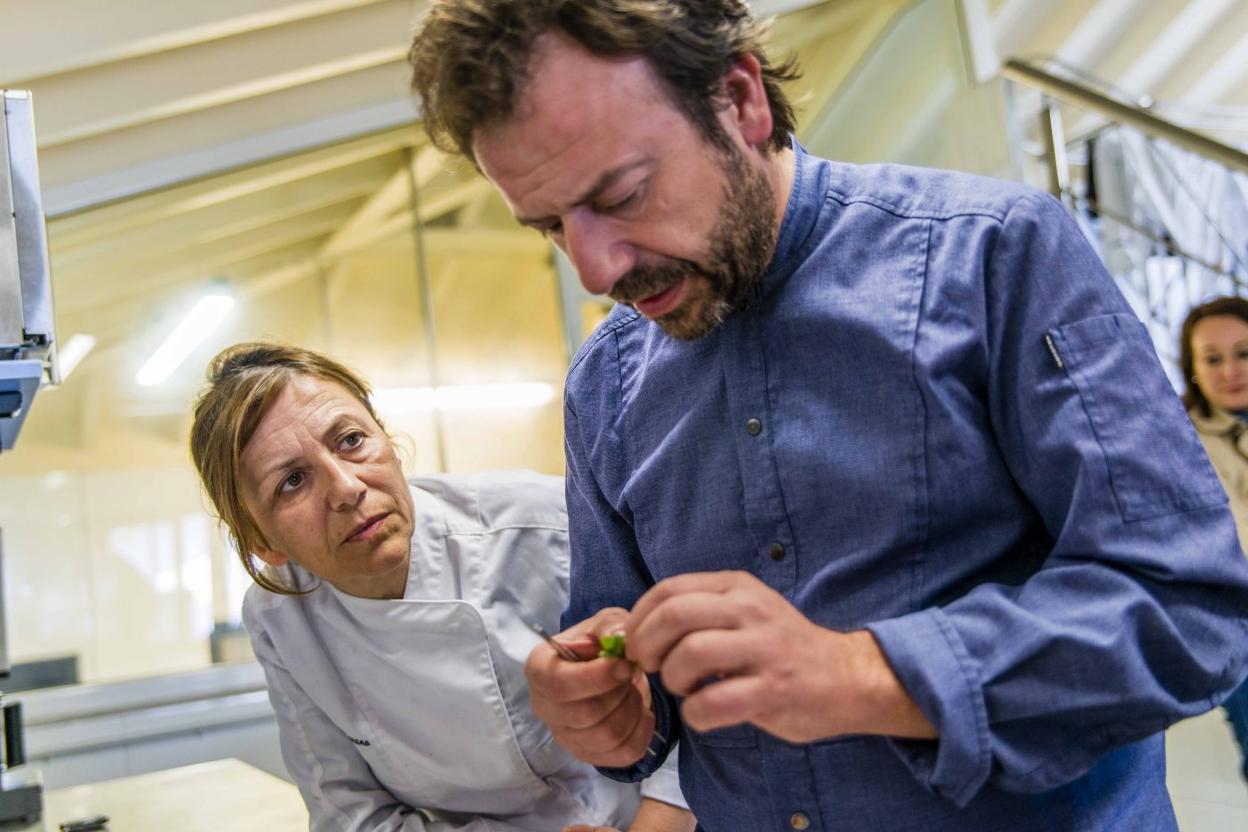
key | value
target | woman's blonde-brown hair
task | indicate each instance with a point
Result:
(243, 382)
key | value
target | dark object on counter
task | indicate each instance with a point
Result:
(85, 824)
(21, 803)
(17, 802)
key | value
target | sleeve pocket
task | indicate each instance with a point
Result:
(1156, 464)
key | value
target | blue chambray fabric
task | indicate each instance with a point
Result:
(967, 446)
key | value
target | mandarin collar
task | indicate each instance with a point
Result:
(801, 214)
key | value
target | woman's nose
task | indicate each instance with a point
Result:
(346, 490)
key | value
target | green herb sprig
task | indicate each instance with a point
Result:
(611, 646)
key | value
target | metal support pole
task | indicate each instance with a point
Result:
(426, 308)
(1055, 148)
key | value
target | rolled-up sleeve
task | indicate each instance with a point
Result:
(1136, 619)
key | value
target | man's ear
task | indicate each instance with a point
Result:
(272, 558)
(748, 107)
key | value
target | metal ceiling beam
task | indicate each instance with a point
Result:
(770, 8)
(199, 228)
(123, 119)
(1016, 20)
(1227, 75)
(1175, 45)
(799, 30)
(441, 241)
(431, 207)
(301, 139)
(389, 198)
(834, 67)
(1177, 42)
(979, 46)
(126, 94)
(1105, 22)
(62, 36)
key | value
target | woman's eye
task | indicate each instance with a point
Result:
(292, 482)
(1212, 361)
(353, 440)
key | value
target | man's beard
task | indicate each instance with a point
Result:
(740, 246)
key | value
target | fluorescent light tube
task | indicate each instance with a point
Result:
(198, 324)
(74, 350)
(400, 400)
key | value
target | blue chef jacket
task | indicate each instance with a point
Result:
(939, 420)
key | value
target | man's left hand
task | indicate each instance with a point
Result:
(740, 652)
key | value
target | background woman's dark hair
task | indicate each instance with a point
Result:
(471, 58)
(1236, 307)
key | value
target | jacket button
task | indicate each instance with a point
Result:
(753, 427)
(776, 551)
(799, 820)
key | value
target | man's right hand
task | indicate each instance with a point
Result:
(598, 709)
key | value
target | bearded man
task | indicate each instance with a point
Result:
(873, 466)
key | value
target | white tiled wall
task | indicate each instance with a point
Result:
(123, 568)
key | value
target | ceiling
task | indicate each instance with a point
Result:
(268, 143)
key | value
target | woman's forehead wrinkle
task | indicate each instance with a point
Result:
(299, 416)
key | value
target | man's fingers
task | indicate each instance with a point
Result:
(725, 702)
(606, 620)
(714, 582)
(654, 637)
(705, 655)
(583, 713)
(560, 681)
(618, 740)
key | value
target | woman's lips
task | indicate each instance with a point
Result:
(369, 530)
(658, 305)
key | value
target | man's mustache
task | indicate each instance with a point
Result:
(649, 279)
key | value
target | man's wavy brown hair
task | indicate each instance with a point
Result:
(471, 58)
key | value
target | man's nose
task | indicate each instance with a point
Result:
(345, 489)
(596, 250)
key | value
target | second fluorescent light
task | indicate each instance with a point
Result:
(198, 324)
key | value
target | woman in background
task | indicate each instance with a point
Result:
(392, 618)
(1213, 353)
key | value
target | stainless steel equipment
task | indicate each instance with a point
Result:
(27, 360)
(27, 330)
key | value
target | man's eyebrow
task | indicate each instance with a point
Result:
(596, 190)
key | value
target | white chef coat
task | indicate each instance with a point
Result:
(413, 714)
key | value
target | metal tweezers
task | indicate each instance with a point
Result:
(565, 652)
